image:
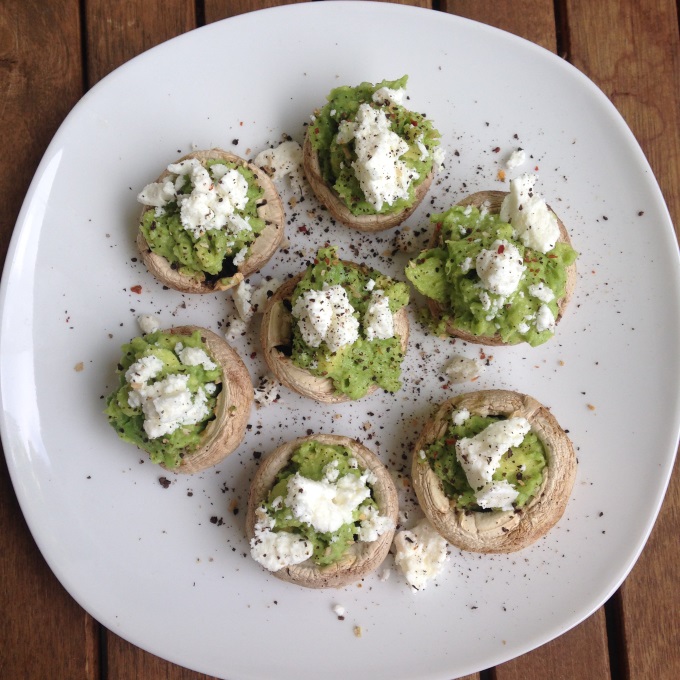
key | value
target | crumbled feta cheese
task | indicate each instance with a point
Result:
(284, 160)
(466, 265)
(326, 316)
(194, 356)
(339, 610)
(267, 392)
(460, 416)
(378, 319)
(210, 388)
(545, 320)
(326, 505)
(460, 369)
(236, 327)
(275, 550)
(528, 213)
(373, 525)
(144, 369)
(515, 159)
(385, 574)
(422, 455)
(481, 455)
(240, 257)
(492, 305)
(241, 297)
(387, 95)
(148, 323)
(438, 156)
(523, 327)
(346, 130)
(263, 292)
(497, 495)
(420, 554)
(383, 177)
(500, 267)
(542, 292)
(370, 285)
(157, 194)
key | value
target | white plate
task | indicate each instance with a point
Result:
(148, 562)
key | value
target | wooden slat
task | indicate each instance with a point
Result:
(530, 19)
(119, 30)
(222, 9)
(583, 651)
(43, 634)
(637, 64)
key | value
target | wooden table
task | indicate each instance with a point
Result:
(53, 51)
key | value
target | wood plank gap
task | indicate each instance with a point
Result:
(562, 36)
(103, 653)
(488, 674)
(616, 642)
(199, 11)
(82, 6)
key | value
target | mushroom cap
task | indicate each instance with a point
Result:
(224, 433)
(337, 207)
(362, 557)
(497, 531)
(276, 331)
(494, 200)
(261, 249)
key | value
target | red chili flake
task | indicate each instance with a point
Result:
(501, 249)
(535, 168)
(253, 355)
(136, 289)
(451, 441)
(552, 256)
(414, 122)
(496, 149)
(316, 131)
(303, 230)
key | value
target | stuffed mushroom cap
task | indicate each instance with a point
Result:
(270, 210)
(362, 557)
(497, 531)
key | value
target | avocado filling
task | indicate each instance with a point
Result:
(320, 505)
(205, 217)
(168, 390)
(372, 150)
(344, 326)
(488, 281)
(487, 462)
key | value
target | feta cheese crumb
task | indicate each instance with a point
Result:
(528, 213)
(387, 95)
(545, 320)
(285, 160)
(383, 177)
(460, 368)
(542, 292)
(263, 292)
(515, 159)
(267, 392)
(420, 554)
(241, 297)
(460, 416)
(480, 455)
(194, 356)
(339, 610)
(370, 285)
(144, 369)
(275, 550)
(326, 316)
(148, 323)
(499, 495)
(385, 574)
(236, 327)
(240, 257)
(500, 268)
(373, 525)
(378, 319)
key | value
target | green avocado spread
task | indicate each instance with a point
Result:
(166, 396)
(312, 460)
(522, 466)
(337, 153)
(449, 275)
(356, 366)
(205, 254)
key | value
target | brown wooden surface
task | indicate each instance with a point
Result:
(48, 58)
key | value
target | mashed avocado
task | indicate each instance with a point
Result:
(207, 256)
(312, 461)
(166, 396)
(449, 275)
(354, 367)
(521, 466)
(337, 153)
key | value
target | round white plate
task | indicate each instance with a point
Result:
(167, 568)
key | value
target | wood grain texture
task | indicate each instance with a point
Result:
(511, 17)
(222, 9)
(118, 31)
(636, 62)
(40, 80)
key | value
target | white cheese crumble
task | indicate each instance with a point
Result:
(212, 202)
(285, 160)
(497, 495)
(515, 159)
(460, 416)
(500, 268)
(267, 392)
(387, 95)
(326, 316)
(275, 550)
(240, 257)
(378, 319)
(339, 610)
(236, 327)
(545, 320)
(466, 265)
(460, 368)
(194, 356)
(481, 455)
(542, 292)
(148, 323)
(383, 177)
(241, 296)
(420, 554)
(373, 525)
(438, 156)
(263, 292)
(528, 213)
